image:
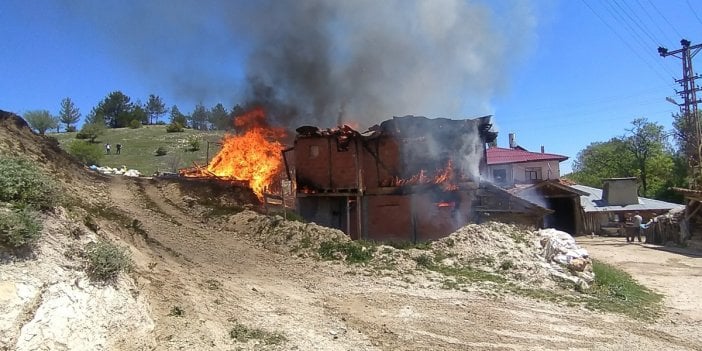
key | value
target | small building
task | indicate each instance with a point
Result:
(564, 202)
(410, 178)
(690, 220)
(608, 210)
(516, 165)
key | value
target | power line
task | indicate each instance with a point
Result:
(627, 43)
(652, 20)
(641, 41)
(693, 11)
(665, 19)
(637, 21)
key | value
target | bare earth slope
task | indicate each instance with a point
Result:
(198, 281)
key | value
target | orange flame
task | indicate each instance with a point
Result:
(445, 204)
(444, 177)
(253, 156)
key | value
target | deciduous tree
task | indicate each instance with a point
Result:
(601, 160)
(648, 144)
(91, 131)
(686, 134)
(642, 152)
(41, 120)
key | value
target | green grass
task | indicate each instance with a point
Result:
(616, 291)
(354, 251)
(467, 274)
(406, 245)
(139, 146)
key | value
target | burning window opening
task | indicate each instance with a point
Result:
(445, 177)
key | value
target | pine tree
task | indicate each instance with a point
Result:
(69, 113)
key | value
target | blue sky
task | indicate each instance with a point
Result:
(585, 70)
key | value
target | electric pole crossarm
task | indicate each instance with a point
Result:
(688, 109)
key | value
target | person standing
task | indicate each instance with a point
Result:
(637, 220)
(107, 148)
(118, 149)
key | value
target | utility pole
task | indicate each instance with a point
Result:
(688, 108)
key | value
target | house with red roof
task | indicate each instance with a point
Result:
(517, 165)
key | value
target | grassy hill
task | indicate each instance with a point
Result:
(139, 147)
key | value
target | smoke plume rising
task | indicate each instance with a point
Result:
(323, 62)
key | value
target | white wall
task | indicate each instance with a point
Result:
(516, 172)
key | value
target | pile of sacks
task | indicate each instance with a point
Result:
(562, 252)
(116, 171)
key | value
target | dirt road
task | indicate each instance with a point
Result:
(674, 272)
(218, 278)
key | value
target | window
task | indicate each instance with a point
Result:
(499, 175)
(532, 174)
(314, 151)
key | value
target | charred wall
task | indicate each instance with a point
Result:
(356, 180)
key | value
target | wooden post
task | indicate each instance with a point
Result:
(348, 216)
(265, 200)
(282, 198)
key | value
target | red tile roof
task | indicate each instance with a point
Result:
(498, 155)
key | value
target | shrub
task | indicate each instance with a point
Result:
(106, 260)
(87, 153)
(134, 124)
(507, 265)
(19, 228)
(353, 251)
(71, 129)
(91, 131)
(242, 333)
(193, 143)
(160, 123)
(24, 184)
(161, 151)
(424, 260)
(176, 311)
(174, 127)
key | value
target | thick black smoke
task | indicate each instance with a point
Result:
(322, 62)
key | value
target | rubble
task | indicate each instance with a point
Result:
(116, 171)
(522, 255)
(561, 250)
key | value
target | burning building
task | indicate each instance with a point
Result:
(408, 179)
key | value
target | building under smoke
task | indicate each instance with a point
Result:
(407, 179)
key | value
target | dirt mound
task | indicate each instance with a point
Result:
(205, 195)
(504, 251)
(287, 237)
(18, 139)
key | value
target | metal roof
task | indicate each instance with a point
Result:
(593, 202)
(498, 155)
